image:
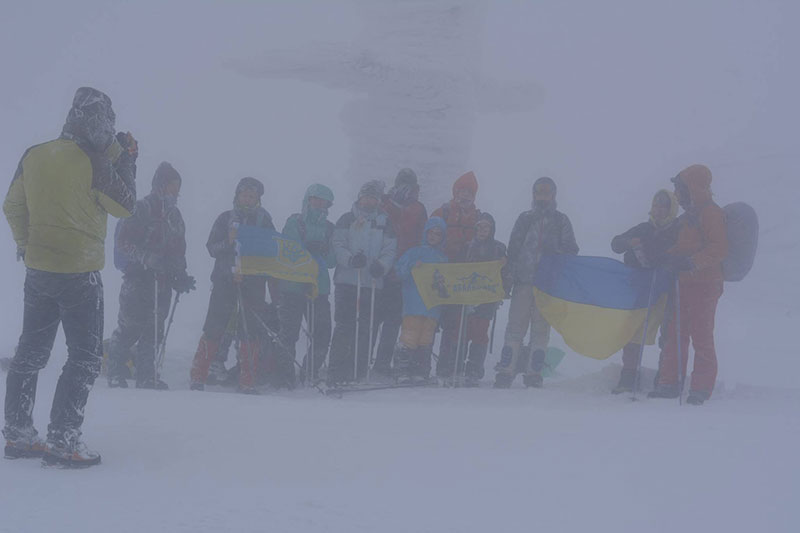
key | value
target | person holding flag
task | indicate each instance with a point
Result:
(539, 231)
(412, 355)
(233, 296)
(314, 231)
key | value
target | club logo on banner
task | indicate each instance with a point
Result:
(265, 252)
(459, 283)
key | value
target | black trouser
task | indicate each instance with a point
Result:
(291, 310)
(343, 341)
(76, 301)
(136, 323)
(389, 312)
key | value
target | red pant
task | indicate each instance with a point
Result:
(698, 308)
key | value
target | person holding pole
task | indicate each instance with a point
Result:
(645, 246)
(150, 250)
(412, 355)
(697, 256)
(365, 245)
(460, 214)
(312, 229)
(482, 248)
(57, 207)
(234, 298)
(539, 231)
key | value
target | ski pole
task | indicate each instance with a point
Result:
(246, 340)
(162, 349)
(678, 334)
(311, 359)
(491, 337)
(644, 333)
(459, 345)
(358, 320)
(371, 324)
(155, 324)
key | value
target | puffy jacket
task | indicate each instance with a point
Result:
(219, 248)
(412, 301)
(655, 240)
(155, 228)
(538, 232)
(702, 235)
(313, 226)
(370, 233)
(408, 222)
(59, 201)
(460, 220)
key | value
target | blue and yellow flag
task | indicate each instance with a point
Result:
(597, 304)
(265, 252)
(459, 283)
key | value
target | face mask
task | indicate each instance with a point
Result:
(170, 201)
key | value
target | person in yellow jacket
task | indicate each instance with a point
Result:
(57, 207)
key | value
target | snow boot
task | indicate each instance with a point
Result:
(403, 363)
(533, 378)
(503, 380)
(697, 397)
(475, 360)
(197, 386)
(69, 452)
(117, 382)
(217, 373)
(626, 380)
(152, 384)
(421, 363)
(23, 443)
(664, 391)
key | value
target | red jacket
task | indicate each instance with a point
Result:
(408, 222)
(460, 221)
(702, 235)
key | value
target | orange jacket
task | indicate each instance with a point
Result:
(460, 221)
(702, 235)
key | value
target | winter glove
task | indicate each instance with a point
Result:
(317, 248)
(153, 261)
(376, 269)
(130, 144)
(183, 282)
(359, 260)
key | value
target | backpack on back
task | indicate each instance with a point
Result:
(741, 226)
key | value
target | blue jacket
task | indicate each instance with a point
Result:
(412, 301)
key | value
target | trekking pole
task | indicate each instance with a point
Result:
(246, 339)
(491, 337)
(155, 324)
(311, 363)
(371, 324)
(459, 345)
(644, 334)
(162, 349)
(358, 320)
(678, 334)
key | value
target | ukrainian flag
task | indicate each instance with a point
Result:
(597, 304)
(265, 252)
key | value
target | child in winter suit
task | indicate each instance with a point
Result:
(412, 356)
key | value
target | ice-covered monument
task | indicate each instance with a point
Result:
(415, 71)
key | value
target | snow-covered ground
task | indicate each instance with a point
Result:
(570, 457)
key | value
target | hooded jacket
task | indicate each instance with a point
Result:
(156, 227)
(537, 232)
(488, 249)
(219, 248)
(371, 233)
(460, 220)
(313, 226)
(655, 240)
(408, 221)
(412, 301)
(702, 236)
(63, 190)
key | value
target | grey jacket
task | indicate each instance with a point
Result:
(360, 232)
(537, 233)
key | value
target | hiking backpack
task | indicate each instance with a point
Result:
(741, 227)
